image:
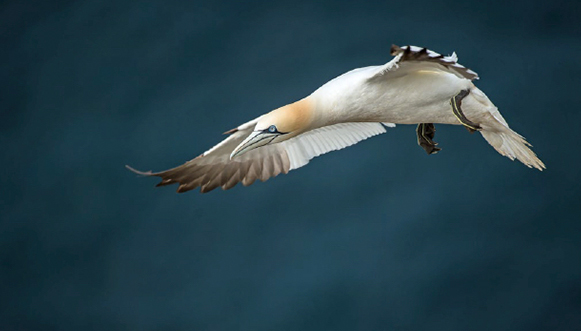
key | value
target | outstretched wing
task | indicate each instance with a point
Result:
(214, 168)
(416, 58)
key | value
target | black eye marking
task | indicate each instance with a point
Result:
(273, 129)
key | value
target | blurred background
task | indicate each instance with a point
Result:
(379, 236)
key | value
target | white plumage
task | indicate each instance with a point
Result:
(329, 138)
(418, 86)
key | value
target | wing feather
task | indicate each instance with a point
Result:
(415, 58)
(215, 169)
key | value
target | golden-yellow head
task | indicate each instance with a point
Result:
(278, 125)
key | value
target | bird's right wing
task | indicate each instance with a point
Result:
(301, 149)
(214, 168)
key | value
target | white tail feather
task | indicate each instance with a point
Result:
(513, 146)
(499, 135)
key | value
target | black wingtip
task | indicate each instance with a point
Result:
(142, 173)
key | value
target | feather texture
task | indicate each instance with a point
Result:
(323, 140)
(215, 169)
(416, 55)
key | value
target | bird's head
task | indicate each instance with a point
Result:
(279, 125)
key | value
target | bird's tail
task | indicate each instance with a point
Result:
(512, 145)
(498, 134)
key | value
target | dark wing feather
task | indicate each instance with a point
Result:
(414, 55)
(215, 169)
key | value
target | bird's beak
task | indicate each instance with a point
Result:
(254, 140)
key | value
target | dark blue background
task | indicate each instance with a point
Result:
(379, 236)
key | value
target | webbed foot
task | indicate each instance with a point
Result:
(456, 103)
(426, 132)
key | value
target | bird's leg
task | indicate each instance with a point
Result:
(456, 103)
(426, 132)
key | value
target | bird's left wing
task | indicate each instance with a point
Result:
(214, 168)
(410, 58)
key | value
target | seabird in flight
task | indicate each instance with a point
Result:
(418, 86)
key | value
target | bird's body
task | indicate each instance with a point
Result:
(418, 86)
(409, 99)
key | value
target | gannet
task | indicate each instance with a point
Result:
(418, 86)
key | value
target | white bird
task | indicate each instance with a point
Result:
(417, 86)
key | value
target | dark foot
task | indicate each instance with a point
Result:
(456, 103)
(426, 132)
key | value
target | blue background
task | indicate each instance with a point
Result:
(379, 236)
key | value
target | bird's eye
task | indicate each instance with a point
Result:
(272, 129)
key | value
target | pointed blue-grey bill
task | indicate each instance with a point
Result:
(254, 140)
